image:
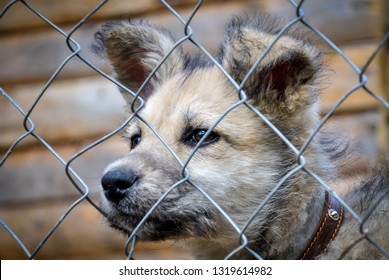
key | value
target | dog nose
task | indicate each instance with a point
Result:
(116, 182)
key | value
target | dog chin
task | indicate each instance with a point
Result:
(163, 226)
(151, 230)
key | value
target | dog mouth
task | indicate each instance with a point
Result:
(133, 205)
(150, 230)
(167, 220)
(126, 214)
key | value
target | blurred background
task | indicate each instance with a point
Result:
(81, 106)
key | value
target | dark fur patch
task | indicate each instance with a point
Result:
(373, 189)
(196, 62)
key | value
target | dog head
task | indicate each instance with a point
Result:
(176, 162)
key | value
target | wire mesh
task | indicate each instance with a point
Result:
(83, 188)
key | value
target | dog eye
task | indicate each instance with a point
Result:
(198, 134)
(135, 140)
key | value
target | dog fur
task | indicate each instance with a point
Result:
(242, 159)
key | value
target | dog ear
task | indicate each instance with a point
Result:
(282, 82)
(135, 50)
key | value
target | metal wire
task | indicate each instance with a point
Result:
(138, 103)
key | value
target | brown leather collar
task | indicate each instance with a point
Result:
(331, 219)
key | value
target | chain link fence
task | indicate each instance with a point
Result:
(82, 187)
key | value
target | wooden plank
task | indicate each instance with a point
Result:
(383, 57)
(339, 78)
(20, 17)
(72, 110)
(34, 175)
(37, 54)
(341, 21)
(334, 15)
(82, 235)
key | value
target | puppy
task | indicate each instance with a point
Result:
(214, 149)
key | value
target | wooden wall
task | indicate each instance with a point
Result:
(80, 106)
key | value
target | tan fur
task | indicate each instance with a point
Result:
(243, 159)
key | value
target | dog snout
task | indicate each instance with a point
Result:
(116, 182)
